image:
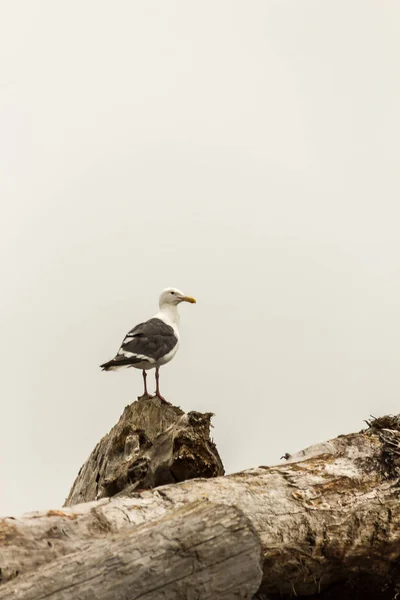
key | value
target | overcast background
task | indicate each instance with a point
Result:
(245, 152)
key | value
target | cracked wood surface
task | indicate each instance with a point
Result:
(202, 551)
(330, 512)
(152, 444)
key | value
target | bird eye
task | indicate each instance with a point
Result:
(172, 292)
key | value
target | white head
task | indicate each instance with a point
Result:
(172, 297)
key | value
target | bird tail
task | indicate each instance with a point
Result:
(107, 365)
(118, 362)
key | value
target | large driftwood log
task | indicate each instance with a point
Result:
(201, 551)
(330, 514)
(152, 444)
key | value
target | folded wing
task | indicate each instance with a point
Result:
(144, 345)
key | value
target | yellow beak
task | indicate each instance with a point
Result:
(188, 299)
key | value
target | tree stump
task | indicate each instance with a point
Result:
(152, 444)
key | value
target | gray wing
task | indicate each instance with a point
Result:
(149, 341)
(153, 339)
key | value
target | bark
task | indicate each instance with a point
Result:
(152, 444)
(203, 551)
(328, 519)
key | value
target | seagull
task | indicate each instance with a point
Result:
(153, 343)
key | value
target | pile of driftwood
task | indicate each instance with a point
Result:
(152, 516)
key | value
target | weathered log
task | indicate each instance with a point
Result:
(330, 514)
(202, 551)
(152, 444)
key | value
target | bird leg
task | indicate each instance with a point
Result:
(146, 393)
(158, 387)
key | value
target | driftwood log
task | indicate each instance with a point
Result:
(161, 559)
(328, 520)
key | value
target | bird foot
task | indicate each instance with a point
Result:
(158, 395)
(146, 396)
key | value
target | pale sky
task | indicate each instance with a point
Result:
(244, 152)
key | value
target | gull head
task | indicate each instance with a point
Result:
(172, 296)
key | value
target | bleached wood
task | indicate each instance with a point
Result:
(203, 551)
(329, 512)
